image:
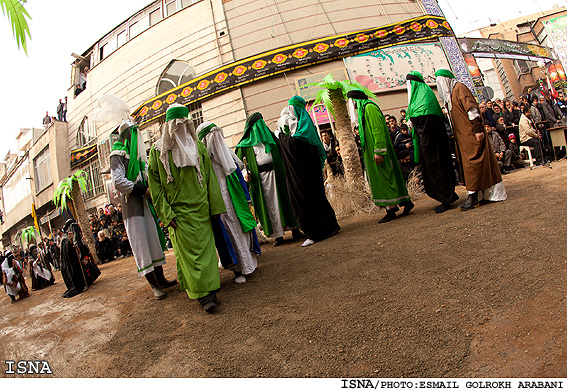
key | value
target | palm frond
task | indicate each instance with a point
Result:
(62, 192)
(14, 10)
(29, 234)
(81, 177)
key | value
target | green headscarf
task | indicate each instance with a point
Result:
(130, 146)
(257, 132)
(306, 130)
(203, 132)
(423, 100)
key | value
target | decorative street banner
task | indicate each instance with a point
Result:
(386, 69)
(499, 46)
(82, 155)
(292, 57)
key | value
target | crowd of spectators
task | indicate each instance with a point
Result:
(509, 125)
(109, 233)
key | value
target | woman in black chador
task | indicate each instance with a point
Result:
(77, 268)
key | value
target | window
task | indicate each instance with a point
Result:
(522, 67)
(95, 185)
(42, 170)
(171, 7)
(155, 16)
(121, 38)
(107, 49)
(84, 133)
(134, 29)
(176, 73)
(196, 113)
(185, 3)
(17, 188)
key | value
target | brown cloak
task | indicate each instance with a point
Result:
(478, 161)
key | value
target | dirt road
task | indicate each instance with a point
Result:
(480, 293)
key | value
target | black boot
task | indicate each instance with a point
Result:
(471, 202)
(297, 234)
(408, 206)
(158, 293)
(209, 302)
(162, 281)
(278, 241)
(390, 215)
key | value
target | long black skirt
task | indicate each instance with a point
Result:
(306, 189)
(437, 168)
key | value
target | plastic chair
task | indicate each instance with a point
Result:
(530, 160)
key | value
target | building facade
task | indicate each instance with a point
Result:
(516, 76)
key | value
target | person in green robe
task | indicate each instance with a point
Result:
(384, 173)
(186, 195)
(259, 149)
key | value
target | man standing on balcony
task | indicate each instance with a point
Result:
(128, 162)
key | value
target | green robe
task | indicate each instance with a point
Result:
(193, 205)
(260, 207)
(386, 179)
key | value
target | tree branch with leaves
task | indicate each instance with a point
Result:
(333, 95)
(16, 13)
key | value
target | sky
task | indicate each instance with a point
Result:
(33, 84)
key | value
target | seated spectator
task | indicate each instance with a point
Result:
(501, 129)
(486, 114)
(330, 144)
(529, 136)
(115, 232)
(407, 165)
(517, 161)
(503, 155)
(125, 248)
(497, 113)
(104, 248)
(103, 218)
(403, 140)
(394, 128)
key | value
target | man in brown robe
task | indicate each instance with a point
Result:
(479, 165)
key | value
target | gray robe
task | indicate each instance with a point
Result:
(138, 221)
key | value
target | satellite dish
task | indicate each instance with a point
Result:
(488, 93)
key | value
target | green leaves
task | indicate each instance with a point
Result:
(345, 86)
(16, 13)
(63, 191)
(29, 234)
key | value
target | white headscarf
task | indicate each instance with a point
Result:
(219, 152)
(179, 137)
(445, 87)
(288, 118)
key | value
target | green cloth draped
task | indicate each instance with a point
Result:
(205, 131)
(192, 205)
(136, 166)
(257, 132)
(423, 101)
(306, 130)
(176, 112)
(386, 180)
(239, 202)
(130, 146)
(257, 193)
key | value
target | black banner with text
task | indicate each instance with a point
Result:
(292, 57)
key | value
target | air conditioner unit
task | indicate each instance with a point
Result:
(104, 149)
